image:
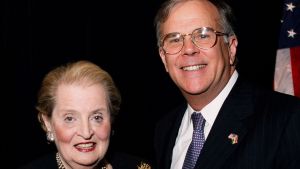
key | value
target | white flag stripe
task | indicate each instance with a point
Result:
(283, 80)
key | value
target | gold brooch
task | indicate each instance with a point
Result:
(144, 166)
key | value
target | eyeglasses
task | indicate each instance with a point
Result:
(203, 38)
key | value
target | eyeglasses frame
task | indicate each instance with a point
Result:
(184, 35)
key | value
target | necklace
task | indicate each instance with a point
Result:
(61, 165)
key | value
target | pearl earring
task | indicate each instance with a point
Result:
(50, 136)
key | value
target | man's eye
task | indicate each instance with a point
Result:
(174, 40)
(202, 36)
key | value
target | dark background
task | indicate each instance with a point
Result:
(119, 36)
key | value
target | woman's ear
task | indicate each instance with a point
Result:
(47, 123)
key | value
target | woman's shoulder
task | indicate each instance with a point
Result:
(120, 160)
(47, 161)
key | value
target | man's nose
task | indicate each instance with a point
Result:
(189, 48)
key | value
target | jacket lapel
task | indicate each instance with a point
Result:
(233, 119)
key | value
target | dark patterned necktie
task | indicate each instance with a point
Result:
(197, 142)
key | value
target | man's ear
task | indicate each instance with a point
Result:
(233, 42)
(163, 57)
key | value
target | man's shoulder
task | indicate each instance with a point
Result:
(282, 100)
(262, 94)
(172, 115)
(285, 103)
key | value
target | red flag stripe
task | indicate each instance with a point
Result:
(295, 62)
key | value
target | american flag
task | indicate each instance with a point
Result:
(287, 68)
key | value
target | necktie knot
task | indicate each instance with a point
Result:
(198, 121)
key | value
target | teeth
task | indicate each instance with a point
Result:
(85, 145)
(195, 67)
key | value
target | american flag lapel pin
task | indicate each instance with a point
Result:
(233, 138)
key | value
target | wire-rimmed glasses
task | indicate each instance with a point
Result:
(203, 38)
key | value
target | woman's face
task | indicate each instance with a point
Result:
(80, 124)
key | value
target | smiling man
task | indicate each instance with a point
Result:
(226, 122)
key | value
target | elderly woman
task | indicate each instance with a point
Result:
(77, 104)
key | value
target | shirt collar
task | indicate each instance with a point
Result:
(211, 110)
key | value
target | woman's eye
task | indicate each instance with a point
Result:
(69, 119)
(97, 118)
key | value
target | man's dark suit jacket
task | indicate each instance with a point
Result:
(267, 124)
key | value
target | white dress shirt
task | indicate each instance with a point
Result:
(209, 112)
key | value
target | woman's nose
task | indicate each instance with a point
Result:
(86, 130)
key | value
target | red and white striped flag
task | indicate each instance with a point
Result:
(287, 68)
